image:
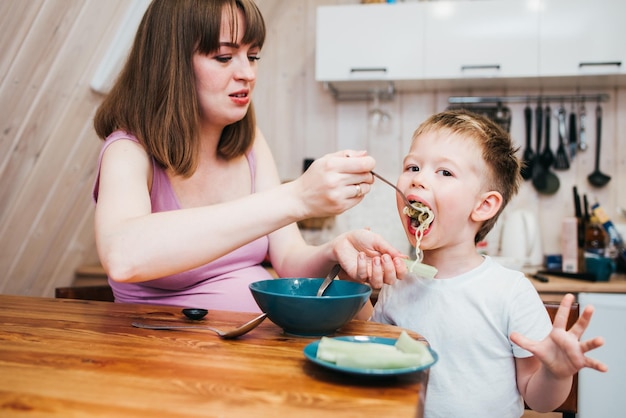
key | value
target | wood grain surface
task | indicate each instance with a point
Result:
(70, 358)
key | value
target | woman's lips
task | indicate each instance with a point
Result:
(240, 97)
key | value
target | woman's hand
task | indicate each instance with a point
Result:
(335, 183)
(366, 257)
(561, 352)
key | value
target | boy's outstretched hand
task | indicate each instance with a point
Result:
(561, 352)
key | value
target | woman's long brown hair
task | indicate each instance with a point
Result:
(154, 97)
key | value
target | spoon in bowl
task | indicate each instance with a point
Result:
(234, 333)
(328, 280)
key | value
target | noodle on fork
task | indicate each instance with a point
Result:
(424, 217)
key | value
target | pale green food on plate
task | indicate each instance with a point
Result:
(407, 352)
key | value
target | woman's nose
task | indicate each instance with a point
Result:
(246, 70)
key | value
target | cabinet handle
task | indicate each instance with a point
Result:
(369, 70)
(480, 67)
(598, 64)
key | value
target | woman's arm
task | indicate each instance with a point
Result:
(137, 245)
(363, 255)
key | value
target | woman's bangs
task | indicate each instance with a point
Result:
(254, 33)
(209, 23)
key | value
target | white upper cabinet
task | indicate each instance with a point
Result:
(582, 37)
(480, 43)
(369, 42)
(476, 39)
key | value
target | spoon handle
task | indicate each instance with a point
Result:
(406, 201)
(328, 280)
(167, 326)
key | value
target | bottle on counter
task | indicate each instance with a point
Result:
(615, 245)
(596, 238)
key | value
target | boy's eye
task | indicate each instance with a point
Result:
(445, 173)
(412, 168)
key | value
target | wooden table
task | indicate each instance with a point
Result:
(70, 358)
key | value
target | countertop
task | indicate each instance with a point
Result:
(562, 285)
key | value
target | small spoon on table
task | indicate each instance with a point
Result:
(237, 332)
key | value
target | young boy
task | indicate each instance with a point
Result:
(495, 342)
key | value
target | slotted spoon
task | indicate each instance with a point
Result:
(561, 161)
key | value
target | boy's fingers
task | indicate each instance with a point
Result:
(562, 314)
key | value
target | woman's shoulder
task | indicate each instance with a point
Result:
(120, 135)
(122, 140)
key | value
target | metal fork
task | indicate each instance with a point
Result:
(406, 201)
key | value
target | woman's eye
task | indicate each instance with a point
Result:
(253, 58)
(223, 58)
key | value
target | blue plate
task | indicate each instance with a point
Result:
(310, 352)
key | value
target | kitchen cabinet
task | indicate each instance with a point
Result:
(481, 43)
(469, 39)
(369, 42)
(581, 37)
(601, 394)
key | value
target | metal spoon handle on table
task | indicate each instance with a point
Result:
(234, 333)
(329, 279)
(172, 327)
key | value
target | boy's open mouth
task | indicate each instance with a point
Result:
(420, 214)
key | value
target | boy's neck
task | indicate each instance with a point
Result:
(452, 262)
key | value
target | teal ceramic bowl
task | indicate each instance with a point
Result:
(293, 305)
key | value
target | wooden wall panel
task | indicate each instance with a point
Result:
(47, 144)
(15, 19)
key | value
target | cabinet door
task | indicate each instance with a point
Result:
(582, 37)
(369, 42)
(482, 38)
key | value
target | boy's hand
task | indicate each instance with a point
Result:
(366, 257)
(561, 352)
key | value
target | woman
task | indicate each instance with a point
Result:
(189, 201)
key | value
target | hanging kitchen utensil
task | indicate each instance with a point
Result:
(579, 218)
(529, 155)
(547, 157)
(538, 170)
(544, 181)
(597, 178)
(573, 135)
(561, 161)
(377, 116)
(582, 116)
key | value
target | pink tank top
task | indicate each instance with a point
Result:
(221, 284)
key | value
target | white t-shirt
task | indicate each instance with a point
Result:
(467, 320)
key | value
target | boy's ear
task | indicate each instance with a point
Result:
(488, 206)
